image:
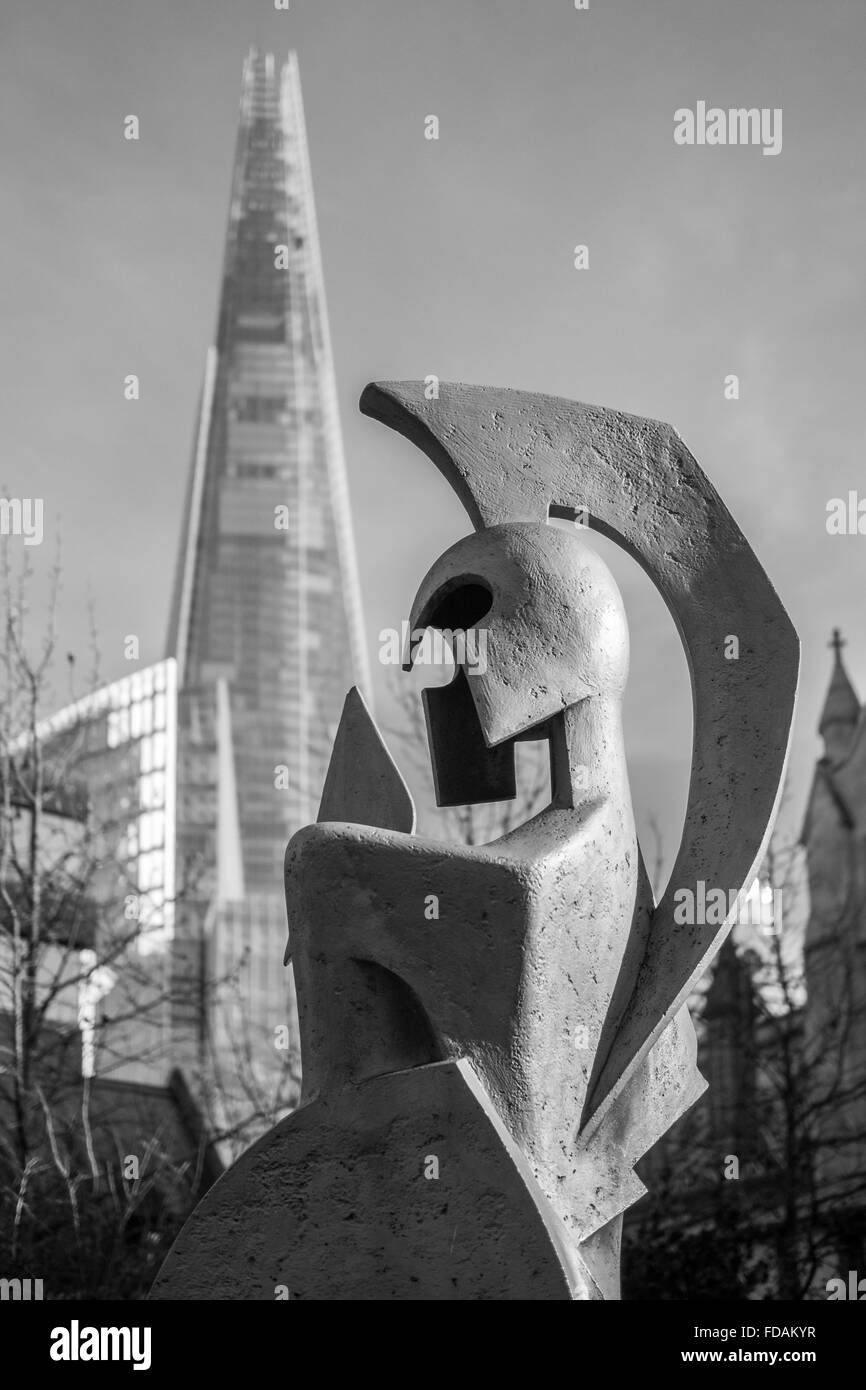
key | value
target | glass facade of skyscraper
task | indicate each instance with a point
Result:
(119, 745)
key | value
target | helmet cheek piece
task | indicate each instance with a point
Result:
(465, 770)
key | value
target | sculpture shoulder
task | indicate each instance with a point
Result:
(557, 837)
(332, 849)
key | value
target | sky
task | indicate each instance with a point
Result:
(452, 257)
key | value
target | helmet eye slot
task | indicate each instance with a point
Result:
(460, 605)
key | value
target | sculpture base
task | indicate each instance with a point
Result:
(404, 1187)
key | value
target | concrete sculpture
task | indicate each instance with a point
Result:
(479, 1082)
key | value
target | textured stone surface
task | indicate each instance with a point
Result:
(515, 1010)
(362, 780)
(334, 1203)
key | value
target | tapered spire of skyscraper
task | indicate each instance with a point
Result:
(266, 595)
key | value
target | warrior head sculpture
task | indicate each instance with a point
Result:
(479, 1081)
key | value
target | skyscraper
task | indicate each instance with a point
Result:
(266, 594)
(266, 622)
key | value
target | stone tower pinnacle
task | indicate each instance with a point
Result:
(841, 707)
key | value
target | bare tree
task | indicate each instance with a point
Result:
(103, 1146)
(761, 1189)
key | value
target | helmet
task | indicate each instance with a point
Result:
(544, 628)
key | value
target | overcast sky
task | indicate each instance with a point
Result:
(452, 257)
